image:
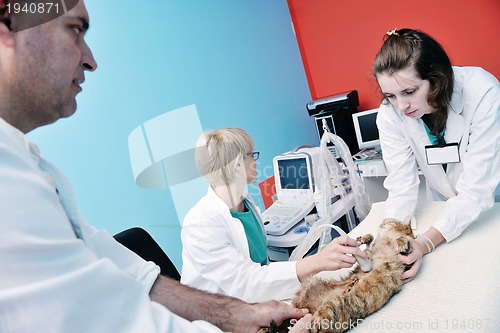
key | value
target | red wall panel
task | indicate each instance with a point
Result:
(339, 39)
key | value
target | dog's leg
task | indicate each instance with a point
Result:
(366, 239)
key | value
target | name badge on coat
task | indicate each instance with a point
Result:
(442, 154)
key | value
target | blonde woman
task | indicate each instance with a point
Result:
(223, 238)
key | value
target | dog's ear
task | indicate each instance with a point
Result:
(387, 222)
(407, 219)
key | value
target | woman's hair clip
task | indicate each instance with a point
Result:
(392, 32)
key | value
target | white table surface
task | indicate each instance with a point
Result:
(458, 286)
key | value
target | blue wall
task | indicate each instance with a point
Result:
(238, 61)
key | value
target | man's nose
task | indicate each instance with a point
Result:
(88, 62)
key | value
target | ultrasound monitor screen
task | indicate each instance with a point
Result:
(368, 127)
(293, 174)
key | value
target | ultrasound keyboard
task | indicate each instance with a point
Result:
(280, 217)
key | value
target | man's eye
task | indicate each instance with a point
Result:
(78, 30)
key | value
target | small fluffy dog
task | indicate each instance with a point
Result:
(338, 305)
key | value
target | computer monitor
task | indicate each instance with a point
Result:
(294, 174)
(365, 127)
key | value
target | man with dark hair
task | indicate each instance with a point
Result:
(58, 273)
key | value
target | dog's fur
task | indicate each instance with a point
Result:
(338, 305)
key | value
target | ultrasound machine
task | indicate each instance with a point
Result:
(294, 176)
(285, 220)
(297, 175)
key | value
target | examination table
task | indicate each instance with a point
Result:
(458, 286)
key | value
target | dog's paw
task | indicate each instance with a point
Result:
(366, 239)
(273, 328)
(404, 245)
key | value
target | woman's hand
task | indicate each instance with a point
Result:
(336, 255)
(418, 249)
(414, 259)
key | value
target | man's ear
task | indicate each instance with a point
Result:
(6, 35)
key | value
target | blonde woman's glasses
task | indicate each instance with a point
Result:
(255, 155)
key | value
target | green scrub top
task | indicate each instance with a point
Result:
(256, 238)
